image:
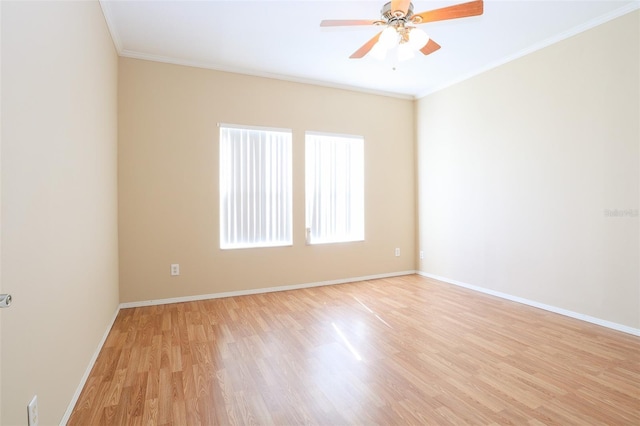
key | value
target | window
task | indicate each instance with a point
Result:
(334, 188)
(255, 187)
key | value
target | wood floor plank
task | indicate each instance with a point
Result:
(404, 350)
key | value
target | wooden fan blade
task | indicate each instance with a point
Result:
(401, 5)
(430, 47)
(462, 10)
(365, 47)
(345, 22)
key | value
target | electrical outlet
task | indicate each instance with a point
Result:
(397, 252)
(32, 412)
(421, 254)
(175, 269)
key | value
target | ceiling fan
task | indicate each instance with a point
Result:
(400, 31)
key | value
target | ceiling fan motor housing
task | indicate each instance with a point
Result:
(394, 15)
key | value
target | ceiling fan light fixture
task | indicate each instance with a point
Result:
(400, 29)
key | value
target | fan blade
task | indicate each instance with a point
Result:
(463, 10)
(401, 5)
(430, 47)
(365, 47)
(345, 22)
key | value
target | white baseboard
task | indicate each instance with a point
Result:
(550, 308)
(92, 362)
(259, 290)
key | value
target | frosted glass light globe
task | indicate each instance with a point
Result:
(417, 38)
(389, 38)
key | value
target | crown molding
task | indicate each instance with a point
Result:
(255, 73)
(541, 45)
(108, 17)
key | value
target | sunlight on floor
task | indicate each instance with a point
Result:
(346, 342)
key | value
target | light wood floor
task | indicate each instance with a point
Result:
(406, 350)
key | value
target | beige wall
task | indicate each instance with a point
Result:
(0, 207)
(168, 180)
(518, 165)
(59, 211)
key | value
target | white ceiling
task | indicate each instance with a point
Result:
(283, 39)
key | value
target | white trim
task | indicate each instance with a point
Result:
(259, 290)
(115, 37)
(333, 135)
(92, 362)
(540, 45)
(255, 73)
(550, 308)
(259, 128)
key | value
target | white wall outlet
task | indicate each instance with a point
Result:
(32, 412)
(397, 252)
(421, 254)
(175, 269)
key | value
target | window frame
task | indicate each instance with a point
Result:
(354, 236)
(287, 163)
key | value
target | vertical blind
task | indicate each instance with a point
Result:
(255, 187)
(334, 188)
